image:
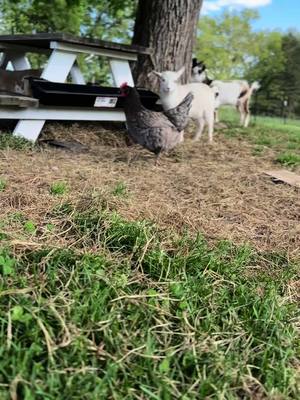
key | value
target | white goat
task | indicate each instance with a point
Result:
(234, 93)
(203, 105)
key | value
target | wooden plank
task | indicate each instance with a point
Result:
(63, 114)
(283, 175)
(79, 48)
(7, 47)
(43, 40)
(9, 99)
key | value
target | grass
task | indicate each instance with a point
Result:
(289, 159)
(265, 131)
(276, 123)
(14, 142)
(119, 309)
(30, 227)
(132, 312)
(120, 190)
(58, 188)
(2, 185)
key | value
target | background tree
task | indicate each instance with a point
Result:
(232, 49)
(227, 43)
(168, 27)
(277, 70)
(29, 16)
(291, 73)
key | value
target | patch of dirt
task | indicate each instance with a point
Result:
(218, 190)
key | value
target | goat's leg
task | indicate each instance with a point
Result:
(247, 120)
(200, 125)
(217, 120)
(210, 124)
(247, 114)
(240, 109)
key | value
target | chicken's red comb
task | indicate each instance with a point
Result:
(124, 85)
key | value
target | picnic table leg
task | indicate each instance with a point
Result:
(18, 60)
(4, 61)
(121, 72)
(76, 75)
(56, 70)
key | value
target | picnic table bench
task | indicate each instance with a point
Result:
(62, 50)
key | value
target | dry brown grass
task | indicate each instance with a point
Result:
(219, 190)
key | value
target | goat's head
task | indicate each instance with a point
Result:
(168, 79)
(198, 70)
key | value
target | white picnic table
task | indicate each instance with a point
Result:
(62, 50)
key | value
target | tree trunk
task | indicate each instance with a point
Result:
(168, 27)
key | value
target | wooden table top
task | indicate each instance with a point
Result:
(43, 40)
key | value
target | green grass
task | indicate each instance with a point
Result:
(264, 132)
(2, 185)
(120, 190)
(58, 188)
(29, 227)
(289, 159)
(147, 315)
(14, 142)
(290, 125)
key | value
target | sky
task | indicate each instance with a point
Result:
(274, 14)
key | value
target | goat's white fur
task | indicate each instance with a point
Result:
(203, 105)
(229, 94)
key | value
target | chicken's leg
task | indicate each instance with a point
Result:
(157, 158)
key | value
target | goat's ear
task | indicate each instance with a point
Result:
(180, 72)
(155, 73)
(194, 62)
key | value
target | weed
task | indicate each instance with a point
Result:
(30, 227)
(120, 190)
(58, 188)
(7, 263)
(50, 227)
(2, 185)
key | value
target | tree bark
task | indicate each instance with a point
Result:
(168, 27)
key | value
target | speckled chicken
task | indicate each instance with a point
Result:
(179, 116)
(152, 130)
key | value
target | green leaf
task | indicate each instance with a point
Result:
(164, 366)
(7, 265)
(17, 313)
(30, 227)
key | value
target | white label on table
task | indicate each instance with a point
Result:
(105, 102)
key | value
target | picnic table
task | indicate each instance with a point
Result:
(62, 50)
